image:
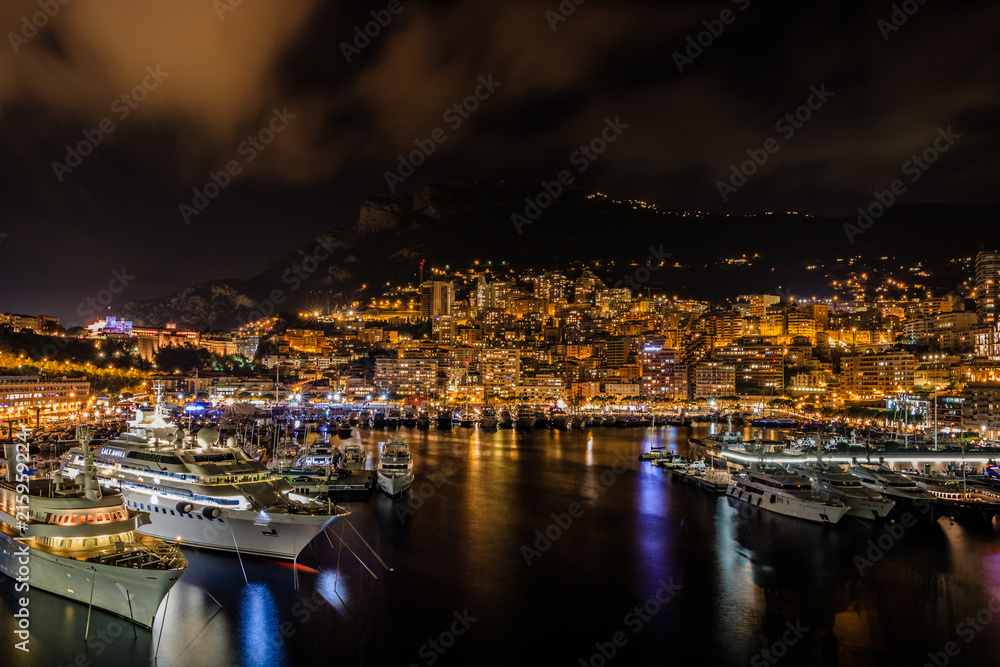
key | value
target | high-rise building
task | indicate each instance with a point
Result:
(876, 374)
(988, 287)
(585, 287)
(819, 312)
(657, 366)
(758, 303)
(436, 298)
(500, 370)
(407, 377)
(714, 378)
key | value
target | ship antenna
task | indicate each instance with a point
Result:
(91, 489)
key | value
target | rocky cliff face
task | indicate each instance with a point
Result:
(215, 305)
(381, 212)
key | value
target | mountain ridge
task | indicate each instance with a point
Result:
(456, 223)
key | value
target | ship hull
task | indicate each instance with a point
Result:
(277, 536)
(73, 579)
(395, 484)
(815, 512)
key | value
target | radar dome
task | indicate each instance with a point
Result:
(207, 437)
(230, 441)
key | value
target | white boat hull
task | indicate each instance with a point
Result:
(73, 579)
(817, 511)
(867, 509)
(280, 536)
(395, 484)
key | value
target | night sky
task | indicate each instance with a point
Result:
(212, 74)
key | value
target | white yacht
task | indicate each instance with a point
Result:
(354, 458)
(776, 490)
(319, 455)
(833, 481)
(395, 466)
(74, 541)
(893, 485)
(203, 494)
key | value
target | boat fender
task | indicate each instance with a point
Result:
(210, 512)
(184, 507)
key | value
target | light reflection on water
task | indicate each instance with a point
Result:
(261, 637)
(744, 577)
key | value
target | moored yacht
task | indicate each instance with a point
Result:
(203, 494)
(776, 490)
(443, 419)
(354, 458)
(526, 417)
(488, 420)
(560, 420)
(423, 421)
(320, 455)
(395, 466)
(831, 480)
(969, 503)
(74, 541)
(896, 487)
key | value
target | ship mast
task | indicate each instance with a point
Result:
(91, 488)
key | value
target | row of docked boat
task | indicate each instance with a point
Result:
(106, 528)
(823, 492)
(317, 469)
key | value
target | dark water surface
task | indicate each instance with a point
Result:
(670, 572)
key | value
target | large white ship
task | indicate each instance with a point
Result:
(83, 545)
(203, 494)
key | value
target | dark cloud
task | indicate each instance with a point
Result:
(607, 59)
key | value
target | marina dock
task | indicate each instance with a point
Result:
(358, 481)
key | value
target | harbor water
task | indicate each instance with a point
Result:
(558, 547)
